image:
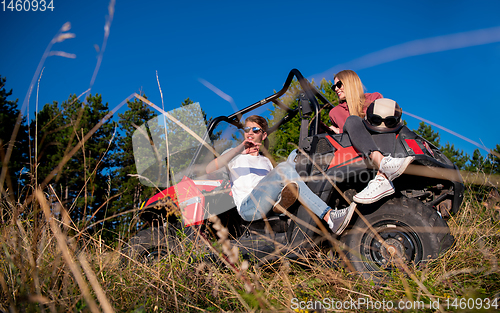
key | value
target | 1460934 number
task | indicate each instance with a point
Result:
(472, 304)
(27, 5)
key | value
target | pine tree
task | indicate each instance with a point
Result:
(82, 182)
(128, 189)
(428, 134)
(495, 160)
(18, 160)
(458, 157)
(48, 131)
(478, 163)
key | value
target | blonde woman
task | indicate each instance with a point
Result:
(348, 117)
(352, 99)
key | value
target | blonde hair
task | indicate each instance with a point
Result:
(354, 91)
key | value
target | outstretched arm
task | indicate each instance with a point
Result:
(246, 147)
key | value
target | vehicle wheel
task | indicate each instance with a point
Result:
(411, 230)
(152, 244)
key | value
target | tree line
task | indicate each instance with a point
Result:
(96, 184)
(489, 164)
(93, 184)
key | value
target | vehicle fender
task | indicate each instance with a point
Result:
(191, 201)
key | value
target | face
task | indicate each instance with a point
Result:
(255, 137)
(339, 91)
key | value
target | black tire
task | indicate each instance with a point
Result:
(152, 244)
(410, 229)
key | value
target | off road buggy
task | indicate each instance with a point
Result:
(409, 226)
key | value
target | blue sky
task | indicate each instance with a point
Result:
(440, 60)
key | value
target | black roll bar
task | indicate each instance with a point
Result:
(311, 94)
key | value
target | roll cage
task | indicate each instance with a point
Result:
(310, 101)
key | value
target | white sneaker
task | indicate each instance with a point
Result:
(339, 219)
(377, 188)
(394, 167)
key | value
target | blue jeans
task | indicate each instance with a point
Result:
(262, 198)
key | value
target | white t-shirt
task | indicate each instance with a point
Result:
(246, 171)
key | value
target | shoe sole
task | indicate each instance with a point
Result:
(402, 169)
(373, 200)
(289, 194)
(347, 219)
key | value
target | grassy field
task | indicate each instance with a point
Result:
(48, 266)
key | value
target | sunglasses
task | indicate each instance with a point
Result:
(389, 121)
(255, 130)
(338, 85)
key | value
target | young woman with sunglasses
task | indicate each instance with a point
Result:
(258, 188)
(347, 117)
(352, 99)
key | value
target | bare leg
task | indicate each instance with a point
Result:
(377, 157)
(326, 218)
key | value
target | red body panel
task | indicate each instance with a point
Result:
(191, 201)
(187, 195)
(414, 146)
(169, 192)
(343, 156)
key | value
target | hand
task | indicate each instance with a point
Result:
(250, 146)
(335, 129)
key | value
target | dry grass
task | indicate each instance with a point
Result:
(46, 269)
